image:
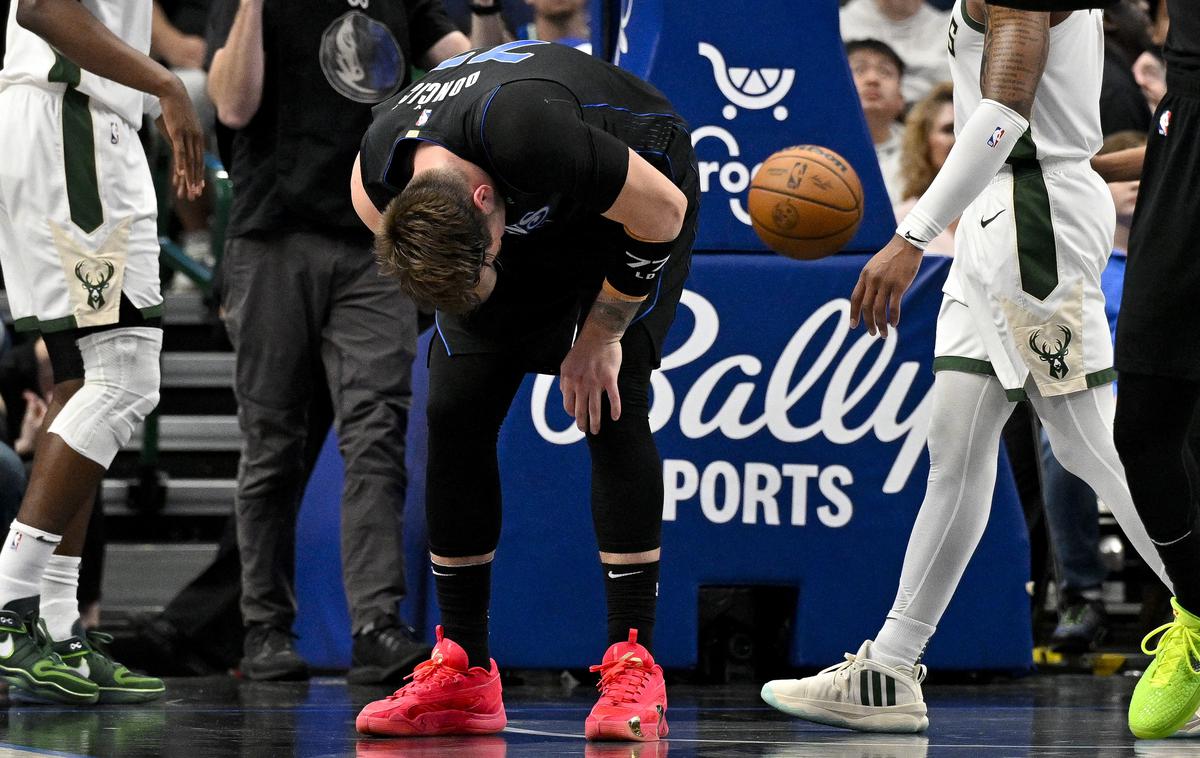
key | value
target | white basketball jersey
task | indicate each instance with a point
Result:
(1065, 122)
(29, 59)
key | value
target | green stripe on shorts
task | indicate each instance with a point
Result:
(64, 71)
(79, 157)
(967, 365)
(1036, 252)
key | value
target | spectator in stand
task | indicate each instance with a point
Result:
(916, 31)
(1072, 517)
(561, 21)
(928, 137)
(296, 80)
(1126, 39)
(878, 77)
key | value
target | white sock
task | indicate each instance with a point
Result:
(900, 643)
(60, 595)
(22, 561)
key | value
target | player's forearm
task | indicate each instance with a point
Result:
(235, 79)
(163, 33)
(447, 47)
(1121, 166)
(610, 316)
(1015, 48)
(80, 36)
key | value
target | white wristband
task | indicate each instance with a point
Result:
(979, 152)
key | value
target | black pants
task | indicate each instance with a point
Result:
(469, 397)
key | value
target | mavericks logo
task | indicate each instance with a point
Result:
(361, 58)
(529, 221)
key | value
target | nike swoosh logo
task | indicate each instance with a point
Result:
(908, 236)
(82, 669)
(438, 573)
(611, 575)
(7, 646)
(984, 222)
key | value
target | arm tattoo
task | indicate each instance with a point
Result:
(1015, 47)
(611, 315)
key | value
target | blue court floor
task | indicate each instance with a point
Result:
(1048, 715)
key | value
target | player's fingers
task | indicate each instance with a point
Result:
(581, 407)
(182, 156)
(594, 397)
(614, 399)
(894, 307)
(867, 306)
(879, 310)
(856, 298)
(568, 393)
(196, 164)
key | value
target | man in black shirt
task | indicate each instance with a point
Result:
(545, 202)
(305, 306)
(1158, 358)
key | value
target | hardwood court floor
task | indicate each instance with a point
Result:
(1072, 716)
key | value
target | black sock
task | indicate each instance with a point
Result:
(632, 593)
(463, 593)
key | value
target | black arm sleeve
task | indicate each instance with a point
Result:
(536, 140)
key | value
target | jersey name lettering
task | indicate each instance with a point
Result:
(434, 92)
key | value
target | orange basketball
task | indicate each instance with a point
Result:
(806, 202)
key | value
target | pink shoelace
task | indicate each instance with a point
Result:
(622, 680)
(428, 675)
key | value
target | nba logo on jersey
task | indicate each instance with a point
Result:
(424, 117)
(996, 137)
(1164, 123)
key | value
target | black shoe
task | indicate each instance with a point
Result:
(160, 649)
(385, 653)
(271, 656)
(1081, 626)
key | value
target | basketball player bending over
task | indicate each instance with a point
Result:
(1022, 317)
(80, 260)
(525, 191)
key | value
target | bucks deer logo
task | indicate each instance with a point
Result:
(95, 289)
(1057, 358)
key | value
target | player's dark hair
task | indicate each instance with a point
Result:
(432, 240)
(875, 46)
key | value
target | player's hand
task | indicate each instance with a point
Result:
(181, 126)
(881, 285)
(590, 369)
(31, 423)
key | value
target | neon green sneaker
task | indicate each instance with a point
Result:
(1167, 695)
(30, 665)
(84, 653)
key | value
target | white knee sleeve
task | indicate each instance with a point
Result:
(120, 386)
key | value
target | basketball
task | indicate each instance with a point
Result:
(806, 202)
